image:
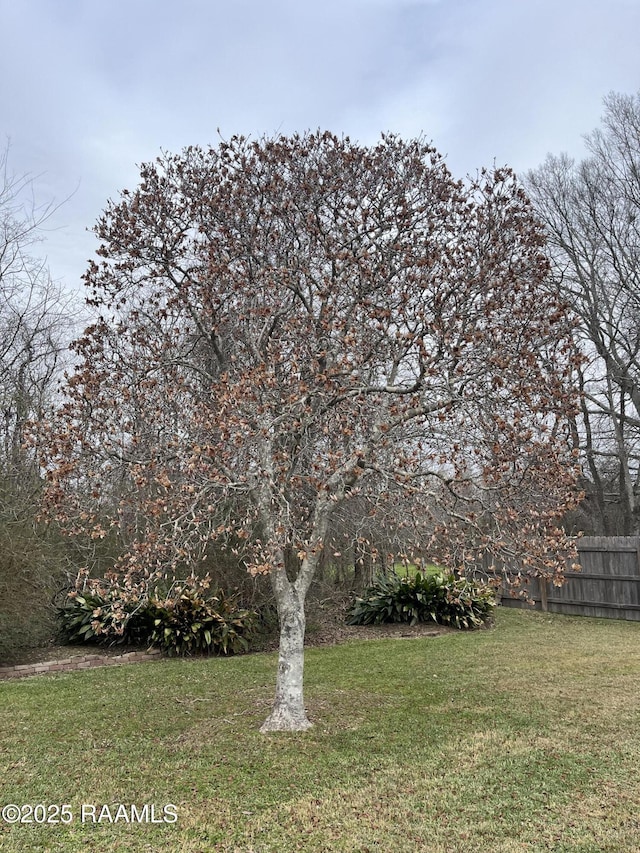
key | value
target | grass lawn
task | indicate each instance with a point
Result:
(410, 570)
(525, 737)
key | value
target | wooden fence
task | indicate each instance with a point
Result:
(608, 585)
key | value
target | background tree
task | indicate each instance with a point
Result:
(35, 326)
(591, 211)
(294, 326)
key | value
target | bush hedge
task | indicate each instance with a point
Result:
(182, 619)
(442, 598)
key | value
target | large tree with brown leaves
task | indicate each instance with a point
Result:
(287, 323)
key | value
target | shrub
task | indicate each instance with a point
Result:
(94, 615)
(32, 568)
(187, 621)
(76, 616)
(445, 599)
(182, 619)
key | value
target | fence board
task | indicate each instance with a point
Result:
(608, 585)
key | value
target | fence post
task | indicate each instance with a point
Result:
(544, 591)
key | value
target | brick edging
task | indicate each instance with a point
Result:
(75, 663)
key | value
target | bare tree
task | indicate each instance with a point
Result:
(35, 332)
(293, 324)
(35, 322)
(591, 211)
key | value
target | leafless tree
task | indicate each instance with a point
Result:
(35, 332)
(35, 322)
(591, 211)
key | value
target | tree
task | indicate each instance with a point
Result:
(35, 320)
(292, 325)
(591, 211)
(35, 330)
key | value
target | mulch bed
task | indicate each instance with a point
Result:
(332, 633)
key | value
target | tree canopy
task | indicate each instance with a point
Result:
(288, 325)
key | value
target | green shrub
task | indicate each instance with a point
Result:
(187, 621)
(445, 599)
(93, 616)
(76, 617)
(182, 619)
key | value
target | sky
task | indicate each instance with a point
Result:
(90, 89)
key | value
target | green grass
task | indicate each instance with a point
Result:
(410, 570)
(525, 737)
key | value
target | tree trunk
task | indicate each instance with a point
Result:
(288, 713)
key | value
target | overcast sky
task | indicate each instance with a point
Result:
(91, 88)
